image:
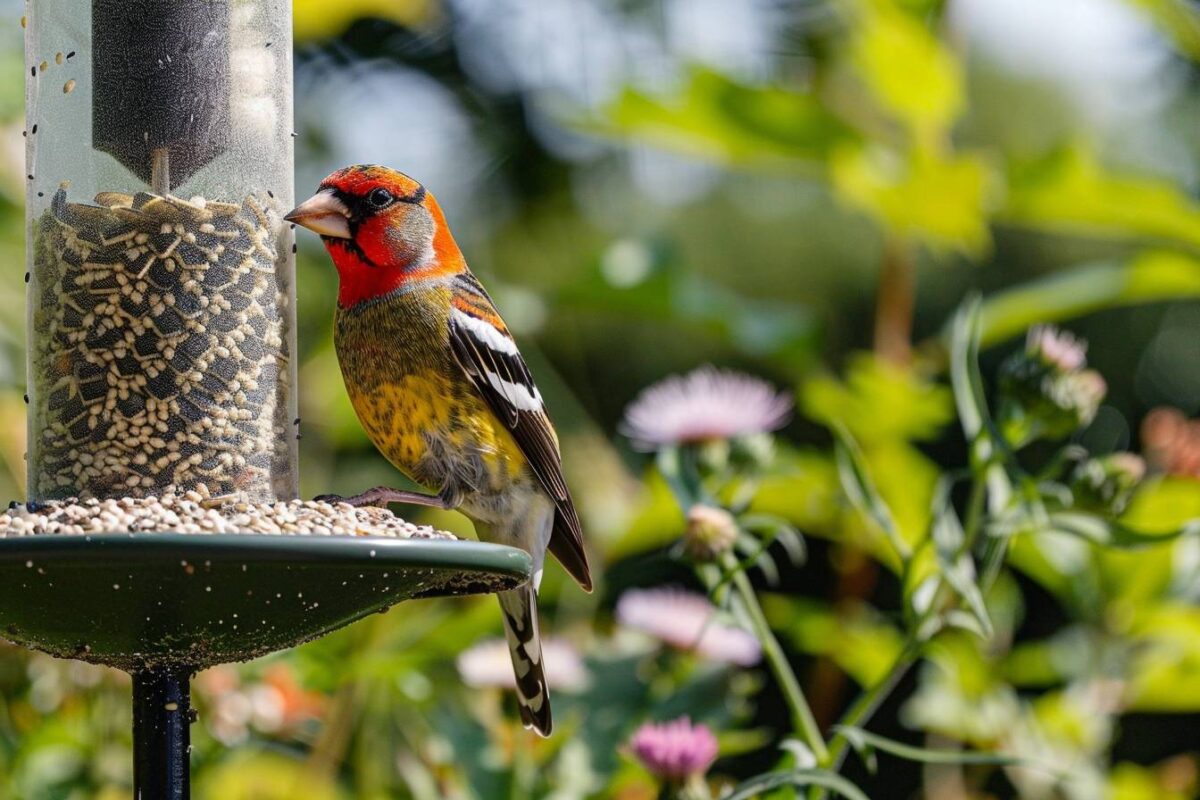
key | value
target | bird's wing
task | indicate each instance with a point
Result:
(488, 354)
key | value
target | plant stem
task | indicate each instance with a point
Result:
(803, 721)
(975, 507)
(895, 302)
(869, 701)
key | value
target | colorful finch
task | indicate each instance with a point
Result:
(442, 391)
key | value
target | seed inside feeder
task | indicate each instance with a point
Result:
(159, 353)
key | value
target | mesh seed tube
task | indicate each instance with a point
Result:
(161, 290)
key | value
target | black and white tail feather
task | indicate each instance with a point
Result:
(519, 607)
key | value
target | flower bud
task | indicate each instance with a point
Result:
(1047, 392)
(711, 531)
(1107, 483)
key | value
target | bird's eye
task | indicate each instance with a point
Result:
(379, 198)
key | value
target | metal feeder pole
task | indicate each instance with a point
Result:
(162, 718)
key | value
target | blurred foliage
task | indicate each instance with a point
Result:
(648, 185)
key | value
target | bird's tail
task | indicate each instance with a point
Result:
(524, 643)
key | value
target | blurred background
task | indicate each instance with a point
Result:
(777, 186)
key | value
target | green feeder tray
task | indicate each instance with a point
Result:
(137, 601)
(163, 605)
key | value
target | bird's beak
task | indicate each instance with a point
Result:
(323, 213)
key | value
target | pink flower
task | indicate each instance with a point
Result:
(488, 664)
(1056, 347)
(675, 751)
(704, 405)
(687, 621)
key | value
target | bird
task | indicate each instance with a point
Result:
(442, 391)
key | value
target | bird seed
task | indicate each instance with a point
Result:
(159, 352)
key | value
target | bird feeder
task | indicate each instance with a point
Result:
(161, 285)
(161, 329)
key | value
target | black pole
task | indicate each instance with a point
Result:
(162, 715)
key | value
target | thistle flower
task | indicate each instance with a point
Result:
(687, 621)
(1107, 483)
(676, 751)
(705, 405)
(1172, 442)
(488, 664)
(1047, 390)
(1056, 348)
(710, 532)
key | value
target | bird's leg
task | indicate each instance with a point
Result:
(382, 495)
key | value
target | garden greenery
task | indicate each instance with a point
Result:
(815, 585)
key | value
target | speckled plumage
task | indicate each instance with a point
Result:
(428, 422)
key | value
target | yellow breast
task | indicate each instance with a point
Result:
(435, 430)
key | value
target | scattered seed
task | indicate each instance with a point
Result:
(174, 511)
(42, 66)
(34, 128)
(69, 86)
(58, 58)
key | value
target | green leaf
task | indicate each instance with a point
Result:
(1114, 534)
(906, 68)
(1164, 504)
(958, 570)
(1129, 781)
(1165, 674)
(861, 492)
(964, 370)
(854, 637)
(866, 743)
(988, 449)
(801, 488)
(879, 401)
(936, 198)
(1148, 277)
(656, 522)
(755, 786)
(719, 119)
(1070, 192)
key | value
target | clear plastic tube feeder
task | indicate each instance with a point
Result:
(161, 294)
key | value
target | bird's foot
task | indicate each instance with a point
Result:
(382, 495)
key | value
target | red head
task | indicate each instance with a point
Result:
(381, 228)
